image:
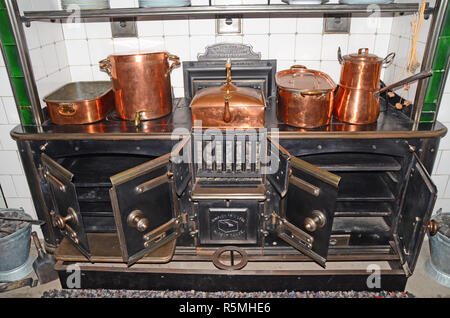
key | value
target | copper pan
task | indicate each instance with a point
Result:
(305, 97)
(141, 84)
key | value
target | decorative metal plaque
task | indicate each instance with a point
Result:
(233, 51)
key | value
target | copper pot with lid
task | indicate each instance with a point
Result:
(305, 97)
(228, 106)
(141, 84)
(358, 96)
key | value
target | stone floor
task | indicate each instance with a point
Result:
(420, 284)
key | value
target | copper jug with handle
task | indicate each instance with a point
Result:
(141, 84)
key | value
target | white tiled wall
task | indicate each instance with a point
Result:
(61, 53)
(12, 179)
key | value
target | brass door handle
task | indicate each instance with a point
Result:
(318, 220)
(55, 181)
(137, 220)
(63, 223)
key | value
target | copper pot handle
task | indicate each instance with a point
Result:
(66, 110)
(138, 117)
(339, 56)
(105, 66)
(298, 66)
(176, 63)
(312, 93)
(388, 59)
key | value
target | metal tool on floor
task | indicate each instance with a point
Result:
(44, 265)
(33, 222)
(18, 284)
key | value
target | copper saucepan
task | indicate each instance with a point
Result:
(141, 84)
(357, 100)
(305, 97)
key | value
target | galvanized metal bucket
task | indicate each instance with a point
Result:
(15, 248)
(438, 266)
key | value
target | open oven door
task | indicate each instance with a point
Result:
(415, 212)
(306, 213)
(145, 204)
(66, 216)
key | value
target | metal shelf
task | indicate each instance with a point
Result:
(204, 11)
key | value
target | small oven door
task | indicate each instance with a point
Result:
(415, 213)
(306, 213)
(67, 216)
(145, 203)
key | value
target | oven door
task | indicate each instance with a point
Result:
(415, 212)
(306, 213)
(66, 216)
(145, 204)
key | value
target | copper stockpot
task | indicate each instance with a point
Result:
(80, 103)
(360, 78)
(358, 96)
(228, 106)
(141, 84)
(305, 97)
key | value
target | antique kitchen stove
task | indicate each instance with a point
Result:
(168, 206)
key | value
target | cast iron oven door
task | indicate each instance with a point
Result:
(415, 213)
(307, 205)
(66, 216)
(145, 203)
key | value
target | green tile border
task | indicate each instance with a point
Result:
(437, 81)
(12, 62)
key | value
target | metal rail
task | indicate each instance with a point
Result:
(241, 10)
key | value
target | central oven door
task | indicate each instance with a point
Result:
(66, 215)
(308, 196)
(145, 203)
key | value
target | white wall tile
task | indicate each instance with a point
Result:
(199, 43)
(357, 41)
(330, 45)
(25, 203)
(3, 118)
(312, 65)
(81, 73)
(100, 49)
(38, 63)
(7, 184)
(308, 46)
(307, 25)
(444, 163)
(332, 68)
(283, 25)
(255, 26)
(199, 2)
(363, 25)
(444, 108)
(282, 46)
(98, 30)
(77, 52)
(5, 87)
(99, 75)
(126, 45)
(381, 45)
(176, 27)
(5, 138)
(284, 64)
(178, 45)
(152, 44)
(150, 28)
(32, 36)
(122, 3)
(441, 183)
(61, 53)
(21, 186)
(49, 32)
(50, 58)
(229, 39)
(259, 42)
(10, 163)
(9, 105)
(385, 24)
(74, 31)
(202, 26)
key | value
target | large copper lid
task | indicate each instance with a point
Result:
(228, 96)
(299, 78)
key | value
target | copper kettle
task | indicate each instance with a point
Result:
(358, 96)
